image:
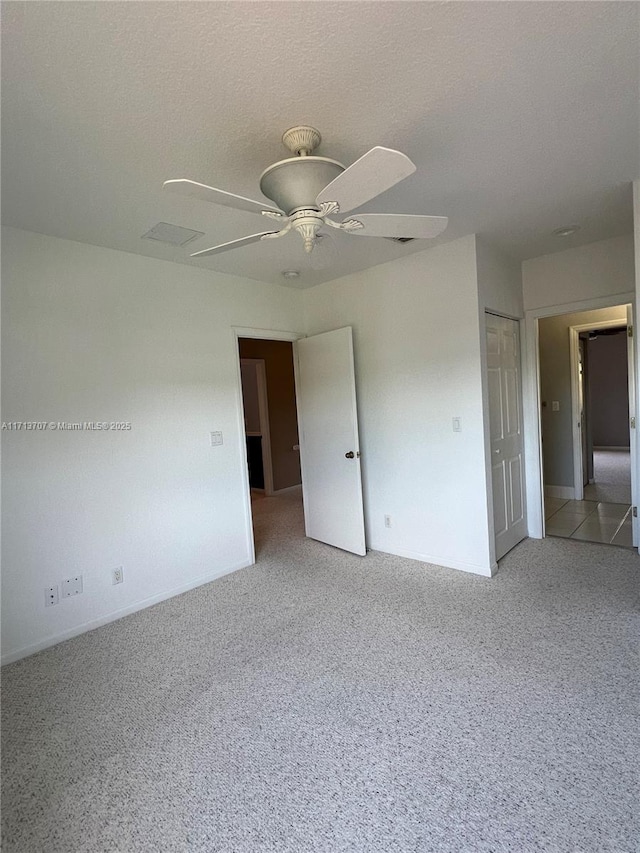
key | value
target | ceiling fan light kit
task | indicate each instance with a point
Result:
(307, 190)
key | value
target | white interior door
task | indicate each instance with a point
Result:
(507, 439)
(329, 446)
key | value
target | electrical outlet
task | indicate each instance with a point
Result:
(72, 586)
(216, 438)
(51, 596)
(118, 575)
(387, 521)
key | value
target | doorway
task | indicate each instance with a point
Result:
(271, 432)
(318, 383)
(585, 364)
(270, 416)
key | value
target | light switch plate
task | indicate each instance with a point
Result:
(216, 439)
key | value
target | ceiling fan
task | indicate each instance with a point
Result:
(308, 190)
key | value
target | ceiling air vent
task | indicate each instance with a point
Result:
(175, 235)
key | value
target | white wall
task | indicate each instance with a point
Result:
(499, 281)
(93, 334)
(417, 355)
(605, 268)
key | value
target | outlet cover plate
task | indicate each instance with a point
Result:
(51, 596)
(72, 586)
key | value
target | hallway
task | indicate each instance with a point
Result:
(605, 513)
(612, 477)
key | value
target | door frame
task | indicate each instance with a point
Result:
(237, 333)
(574, 335)
(532, 401)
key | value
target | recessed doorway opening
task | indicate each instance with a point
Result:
(271, 431)
(586, 410)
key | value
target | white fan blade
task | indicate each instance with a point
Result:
(399, 225)
(211, 194)
(234, 244)
(375, 172)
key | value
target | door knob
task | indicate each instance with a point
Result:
(350, 455)
(497, 452)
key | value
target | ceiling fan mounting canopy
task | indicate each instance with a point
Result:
(307, 189)
(302, 139)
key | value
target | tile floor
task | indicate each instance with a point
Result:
(590, 521)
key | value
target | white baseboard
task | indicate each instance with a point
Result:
(619, 447)
(442, 562)
(54, 639)
(566, 492)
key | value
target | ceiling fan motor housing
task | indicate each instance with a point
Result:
(295, 183)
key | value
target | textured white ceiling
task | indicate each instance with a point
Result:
(521, 117)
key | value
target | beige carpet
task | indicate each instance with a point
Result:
(319, 702)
